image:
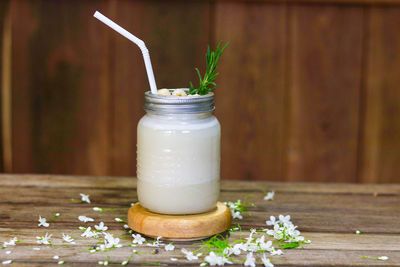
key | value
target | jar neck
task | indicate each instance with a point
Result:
(179, 116)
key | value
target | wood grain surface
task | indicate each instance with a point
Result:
(327, 214)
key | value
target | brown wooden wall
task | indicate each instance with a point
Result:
(309, 90)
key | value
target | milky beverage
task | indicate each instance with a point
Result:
(178, 161)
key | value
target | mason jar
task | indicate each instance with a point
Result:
(178, 154)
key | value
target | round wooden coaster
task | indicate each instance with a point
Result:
(196, 226)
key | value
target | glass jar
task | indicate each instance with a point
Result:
(178, 154)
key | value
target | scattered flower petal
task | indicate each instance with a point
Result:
(85, 219)
(270, 196)
(85, 198)
(42, 222)
(138, 239)
(7, 262)
(101, 227)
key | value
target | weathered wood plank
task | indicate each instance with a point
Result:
(326, 49)
(177, 42)
(251, 89)
(60, 88)
(329, 220)
(127, 183)
(380, 160)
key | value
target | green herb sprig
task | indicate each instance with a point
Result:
(207, 83)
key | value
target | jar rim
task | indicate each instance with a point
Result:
(179, 104)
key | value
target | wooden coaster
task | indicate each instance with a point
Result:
(196, 226)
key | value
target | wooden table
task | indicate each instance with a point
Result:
(328, 214)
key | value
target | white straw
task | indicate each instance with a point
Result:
(134, 39)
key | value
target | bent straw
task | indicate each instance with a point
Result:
(137, 41)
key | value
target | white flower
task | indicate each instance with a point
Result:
(85, 219)
(250, 260)
(236, 215)
(155, 243)
(285, 219)
(36, 248)
(101, 227)
(7, 262)
(61, 262)
(189, 255)
(45, 240)
(126, 226)
(119, 220)
(68, 239)
(89, 233)
(8, 252)
(97, 209)
(132, 204)
(85, 198)
(214, 259)
(11, 242)
(236, 248)
(276, 252)
(173, 259)
(138, 239)
(110, 241)
(358, 232)
(169, 247)
(270, 196)
(56, 257)
(383, 258)
(272, 221)
(266, 262)
(42, 222)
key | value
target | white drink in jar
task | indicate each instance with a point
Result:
(178, 155)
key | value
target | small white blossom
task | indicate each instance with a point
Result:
(85, 219)
(45, 240)
(8, 252)
(126, 226)
(189, 255)
(266, 262)
(155, 243)
(42, 222)
(138, 239)
(7, 262)
(358, 232)
(36, 248)
(61, 262)
(270, 196)
(110, 242)
(89, 233)
(250, 260)
(101, 227)
(85, 198)
(169, 247)
(276, 252)
(132, 204)
(214, 259)
(383, 258)
(119, 220)
(97, 209)
(173, 259)
(272, 221)
(68, 239)
(10, 243)
(285, 219)
(56, 257)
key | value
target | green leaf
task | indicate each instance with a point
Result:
(290, 245)
(206, 83)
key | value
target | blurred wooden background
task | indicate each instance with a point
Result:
(309, 90)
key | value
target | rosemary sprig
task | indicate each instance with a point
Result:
(206, 83)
